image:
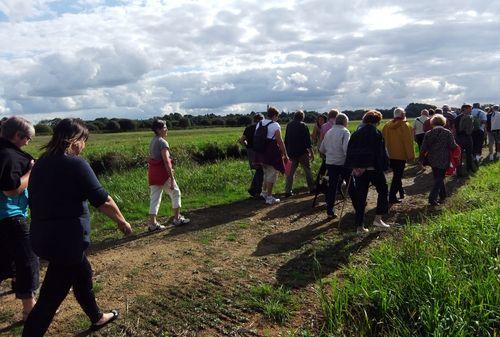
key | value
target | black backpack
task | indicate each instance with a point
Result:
(260, 140)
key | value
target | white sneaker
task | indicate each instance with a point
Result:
(155, 227)
(270, 200)
(380, 223)
(181, 221)
(361, 230)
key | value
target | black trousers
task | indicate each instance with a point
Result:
(361, 184)
(58, 280)
(477, 141)
(438, 189)
(398, 168)
(465, 143)
(334, 173)
(16, 251)
(258, 176)
(419, 139)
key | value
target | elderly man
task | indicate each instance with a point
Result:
(398, 136)
(418, 127)
(479, 119)
(495, 132)
(299, 149)
(15, 169)
(450, 116)
(464, 127)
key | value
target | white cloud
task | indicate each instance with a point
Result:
(144, 58)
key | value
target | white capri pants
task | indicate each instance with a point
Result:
(270, 174)
(156, 191)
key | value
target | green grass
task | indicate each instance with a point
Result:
(275, 303)
(440, 279)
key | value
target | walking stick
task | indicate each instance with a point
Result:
(343, 201)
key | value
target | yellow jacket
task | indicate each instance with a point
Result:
(398, 136)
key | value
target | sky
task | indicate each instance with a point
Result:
(142, 58)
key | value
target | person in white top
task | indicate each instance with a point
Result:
(334, 147)
(479, 122)
(418, 127)
(495, 130)
(273, 156)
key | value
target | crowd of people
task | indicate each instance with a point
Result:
(447, 141)
(59, 185)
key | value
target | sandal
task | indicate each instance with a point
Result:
(95, 327)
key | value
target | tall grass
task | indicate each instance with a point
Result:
(441, 279)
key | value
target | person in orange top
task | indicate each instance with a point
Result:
(398, 136)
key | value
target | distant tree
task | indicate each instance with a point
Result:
(92, 126)
(127, 124)
(218, 122)
(244, 120)
(231, 121)
(43, 129)
(112, 126)
(184, 123)
(203, 121)
(414, 109)
(176, 116)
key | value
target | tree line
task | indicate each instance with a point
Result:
(179, 121)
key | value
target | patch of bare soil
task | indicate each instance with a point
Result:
(195, 280)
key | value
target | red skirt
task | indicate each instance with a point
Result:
(271, 156)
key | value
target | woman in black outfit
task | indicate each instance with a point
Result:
(367, 157)
(61, 182)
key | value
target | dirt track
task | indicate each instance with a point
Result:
(192, 280)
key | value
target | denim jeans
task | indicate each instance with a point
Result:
(16, 246)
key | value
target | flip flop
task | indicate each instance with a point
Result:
(95, 327)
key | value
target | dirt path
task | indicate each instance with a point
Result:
(193, 280)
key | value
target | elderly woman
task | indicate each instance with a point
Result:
(272, 154)
(367, 157)
(436, 147)
(15, 169)
(61, 182)
(398, 137)
(334, 147)
(161, 177)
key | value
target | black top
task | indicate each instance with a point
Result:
(249, 133)
(14, 163)
(60, 223)
(366, 148)
(297, 139)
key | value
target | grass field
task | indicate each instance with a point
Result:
(440, 279)
(201, 185)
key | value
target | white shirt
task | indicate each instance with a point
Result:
(334, 145)
(478, 113)
(495, 121)
(271, 128)
(418, 124)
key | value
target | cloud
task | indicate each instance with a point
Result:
(142, 58)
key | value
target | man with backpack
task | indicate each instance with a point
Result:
(478, 124)
(450, 116)
(418, 127)
(464, 127)
(247, 141)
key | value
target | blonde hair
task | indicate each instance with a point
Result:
(438, 120)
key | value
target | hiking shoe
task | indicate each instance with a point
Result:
(361, 230)
(331, 215)
(155, 227)
(181, 221)
(270, 200)
(395, 201)
(263, 195)
(434, 203)
(288, 194)
(380, 224)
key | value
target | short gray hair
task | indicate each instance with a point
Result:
(399, 112)
(17, 124)
(341, 119)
